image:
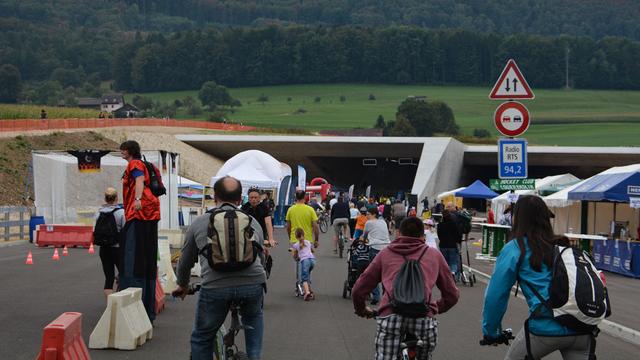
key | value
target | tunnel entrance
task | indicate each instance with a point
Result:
(387, 176)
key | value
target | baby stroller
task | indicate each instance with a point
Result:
(357, 261)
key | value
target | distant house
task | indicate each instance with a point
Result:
(126, 111)
(112, 102)
(421, 98)
(91, 103)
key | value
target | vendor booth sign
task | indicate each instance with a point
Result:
(634, 203)
(633, 190)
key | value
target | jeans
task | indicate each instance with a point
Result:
(211, 311)
(452, 256)
(306, 266)
(375, 294)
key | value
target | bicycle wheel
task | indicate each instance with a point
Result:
(324, 225)
(341, 246)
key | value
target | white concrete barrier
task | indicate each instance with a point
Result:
(166, 274)
(124, 324)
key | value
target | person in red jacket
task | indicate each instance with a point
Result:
(139, 242)
(384, 268)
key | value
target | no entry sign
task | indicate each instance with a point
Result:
(511, 119)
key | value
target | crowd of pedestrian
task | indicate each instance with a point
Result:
(399, 257)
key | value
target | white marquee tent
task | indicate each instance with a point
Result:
(63, 194)
(254, 169)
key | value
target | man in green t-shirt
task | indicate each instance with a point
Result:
(301, 215)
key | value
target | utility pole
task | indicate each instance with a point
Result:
(566, 60)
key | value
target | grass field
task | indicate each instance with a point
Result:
(559, 117)
(12, 111)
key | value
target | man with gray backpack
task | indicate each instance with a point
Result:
(228, 244)
(408, 270)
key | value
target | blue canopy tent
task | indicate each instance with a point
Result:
(616, 184)
(477, 190)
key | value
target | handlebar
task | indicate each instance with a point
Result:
(504, 338)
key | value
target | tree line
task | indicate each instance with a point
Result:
(275, 55)
(68, 64)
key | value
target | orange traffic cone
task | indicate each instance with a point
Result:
(91, 251)
(29, 259)
(55, 256)
(65, 251)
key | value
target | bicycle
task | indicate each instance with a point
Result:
(342, 239)
(225, 347)
(324, 219)
(410, 344)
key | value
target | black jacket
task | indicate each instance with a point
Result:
(449, 233)
(340, 210)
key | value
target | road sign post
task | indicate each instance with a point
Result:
(511, 119)
(512, 159)
(511, 84)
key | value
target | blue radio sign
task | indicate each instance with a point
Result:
(512, 159)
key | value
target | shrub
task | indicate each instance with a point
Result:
(317, 99)
(300, 111)
(372, 97)
(481, 133)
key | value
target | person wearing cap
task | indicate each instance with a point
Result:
(361, 221)
(430, 235)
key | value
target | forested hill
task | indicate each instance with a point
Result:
(593, 18)
(54, 51)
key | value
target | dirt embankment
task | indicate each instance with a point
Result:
(16, 181)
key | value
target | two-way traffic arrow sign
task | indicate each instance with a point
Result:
(511, 84)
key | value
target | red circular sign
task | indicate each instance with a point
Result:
(511, 119)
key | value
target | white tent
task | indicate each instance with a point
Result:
(499, 203)
(63, 194)
(449, 193)
(254, 169)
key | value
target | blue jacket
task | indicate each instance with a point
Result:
(497, 295)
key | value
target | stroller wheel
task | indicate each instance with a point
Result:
(345, 289)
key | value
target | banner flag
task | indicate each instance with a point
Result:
(302, 178)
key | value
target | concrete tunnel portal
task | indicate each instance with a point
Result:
(421, 166)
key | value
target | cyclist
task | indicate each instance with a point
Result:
(391, 327)
(532, 231)
(301, 215)
(340, 220)
(260, 211)
(219, 289)
(377, 234)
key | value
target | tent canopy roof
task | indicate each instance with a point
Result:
(477, 190)
(447, 193)
(615, 184)
(254, 168)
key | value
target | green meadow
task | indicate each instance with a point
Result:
(559, 117)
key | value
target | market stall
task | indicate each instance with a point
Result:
(612, 190)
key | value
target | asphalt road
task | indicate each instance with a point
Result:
(326, 328)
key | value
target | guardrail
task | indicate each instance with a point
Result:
(14, 222)
(7, 125)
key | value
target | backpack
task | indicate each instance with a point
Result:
(578, 297)
(408, 298)
(155, 179)
(231, 242)
(105, 232)
(463, 218)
